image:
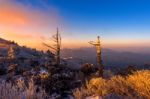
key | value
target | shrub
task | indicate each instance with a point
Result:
(140, 82)
(31, 92)
(9, 91)
(119, 86)
(96, 86)
(135, 86)
(87, 69)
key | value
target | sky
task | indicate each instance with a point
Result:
(122, 24)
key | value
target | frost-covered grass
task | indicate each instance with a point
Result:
(9, 91)
(133, 86)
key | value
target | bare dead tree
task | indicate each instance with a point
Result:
(56, 47)
(97, 44)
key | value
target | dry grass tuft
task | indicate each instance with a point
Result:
(96, 86)
(134, 86)
(9, 91)
(140, 82)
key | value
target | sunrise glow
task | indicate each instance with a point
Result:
(30, 24)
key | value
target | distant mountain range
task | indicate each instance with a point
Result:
(110, 57)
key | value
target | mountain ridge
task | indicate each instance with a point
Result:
(110, 57)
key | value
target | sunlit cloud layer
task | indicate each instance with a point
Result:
(26, 25)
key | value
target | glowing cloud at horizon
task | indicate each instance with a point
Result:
(25, 25)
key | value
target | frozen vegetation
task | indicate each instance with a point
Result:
(27, 73)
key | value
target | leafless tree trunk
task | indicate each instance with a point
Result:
(58, 44)
(56, 47)
(97, 44)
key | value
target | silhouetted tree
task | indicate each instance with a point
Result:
(97, 44)
(56, 47)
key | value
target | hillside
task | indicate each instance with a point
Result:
(21, 64)
(25, 57)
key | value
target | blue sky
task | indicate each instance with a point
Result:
(113, 17)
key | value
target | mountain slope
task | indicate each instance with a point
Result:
(24, 57)
(21, 64)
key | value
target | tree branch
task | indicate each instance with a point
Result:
(49, 46)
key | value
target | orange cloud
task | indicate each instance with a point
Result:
(16, 14)
(26, 25)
